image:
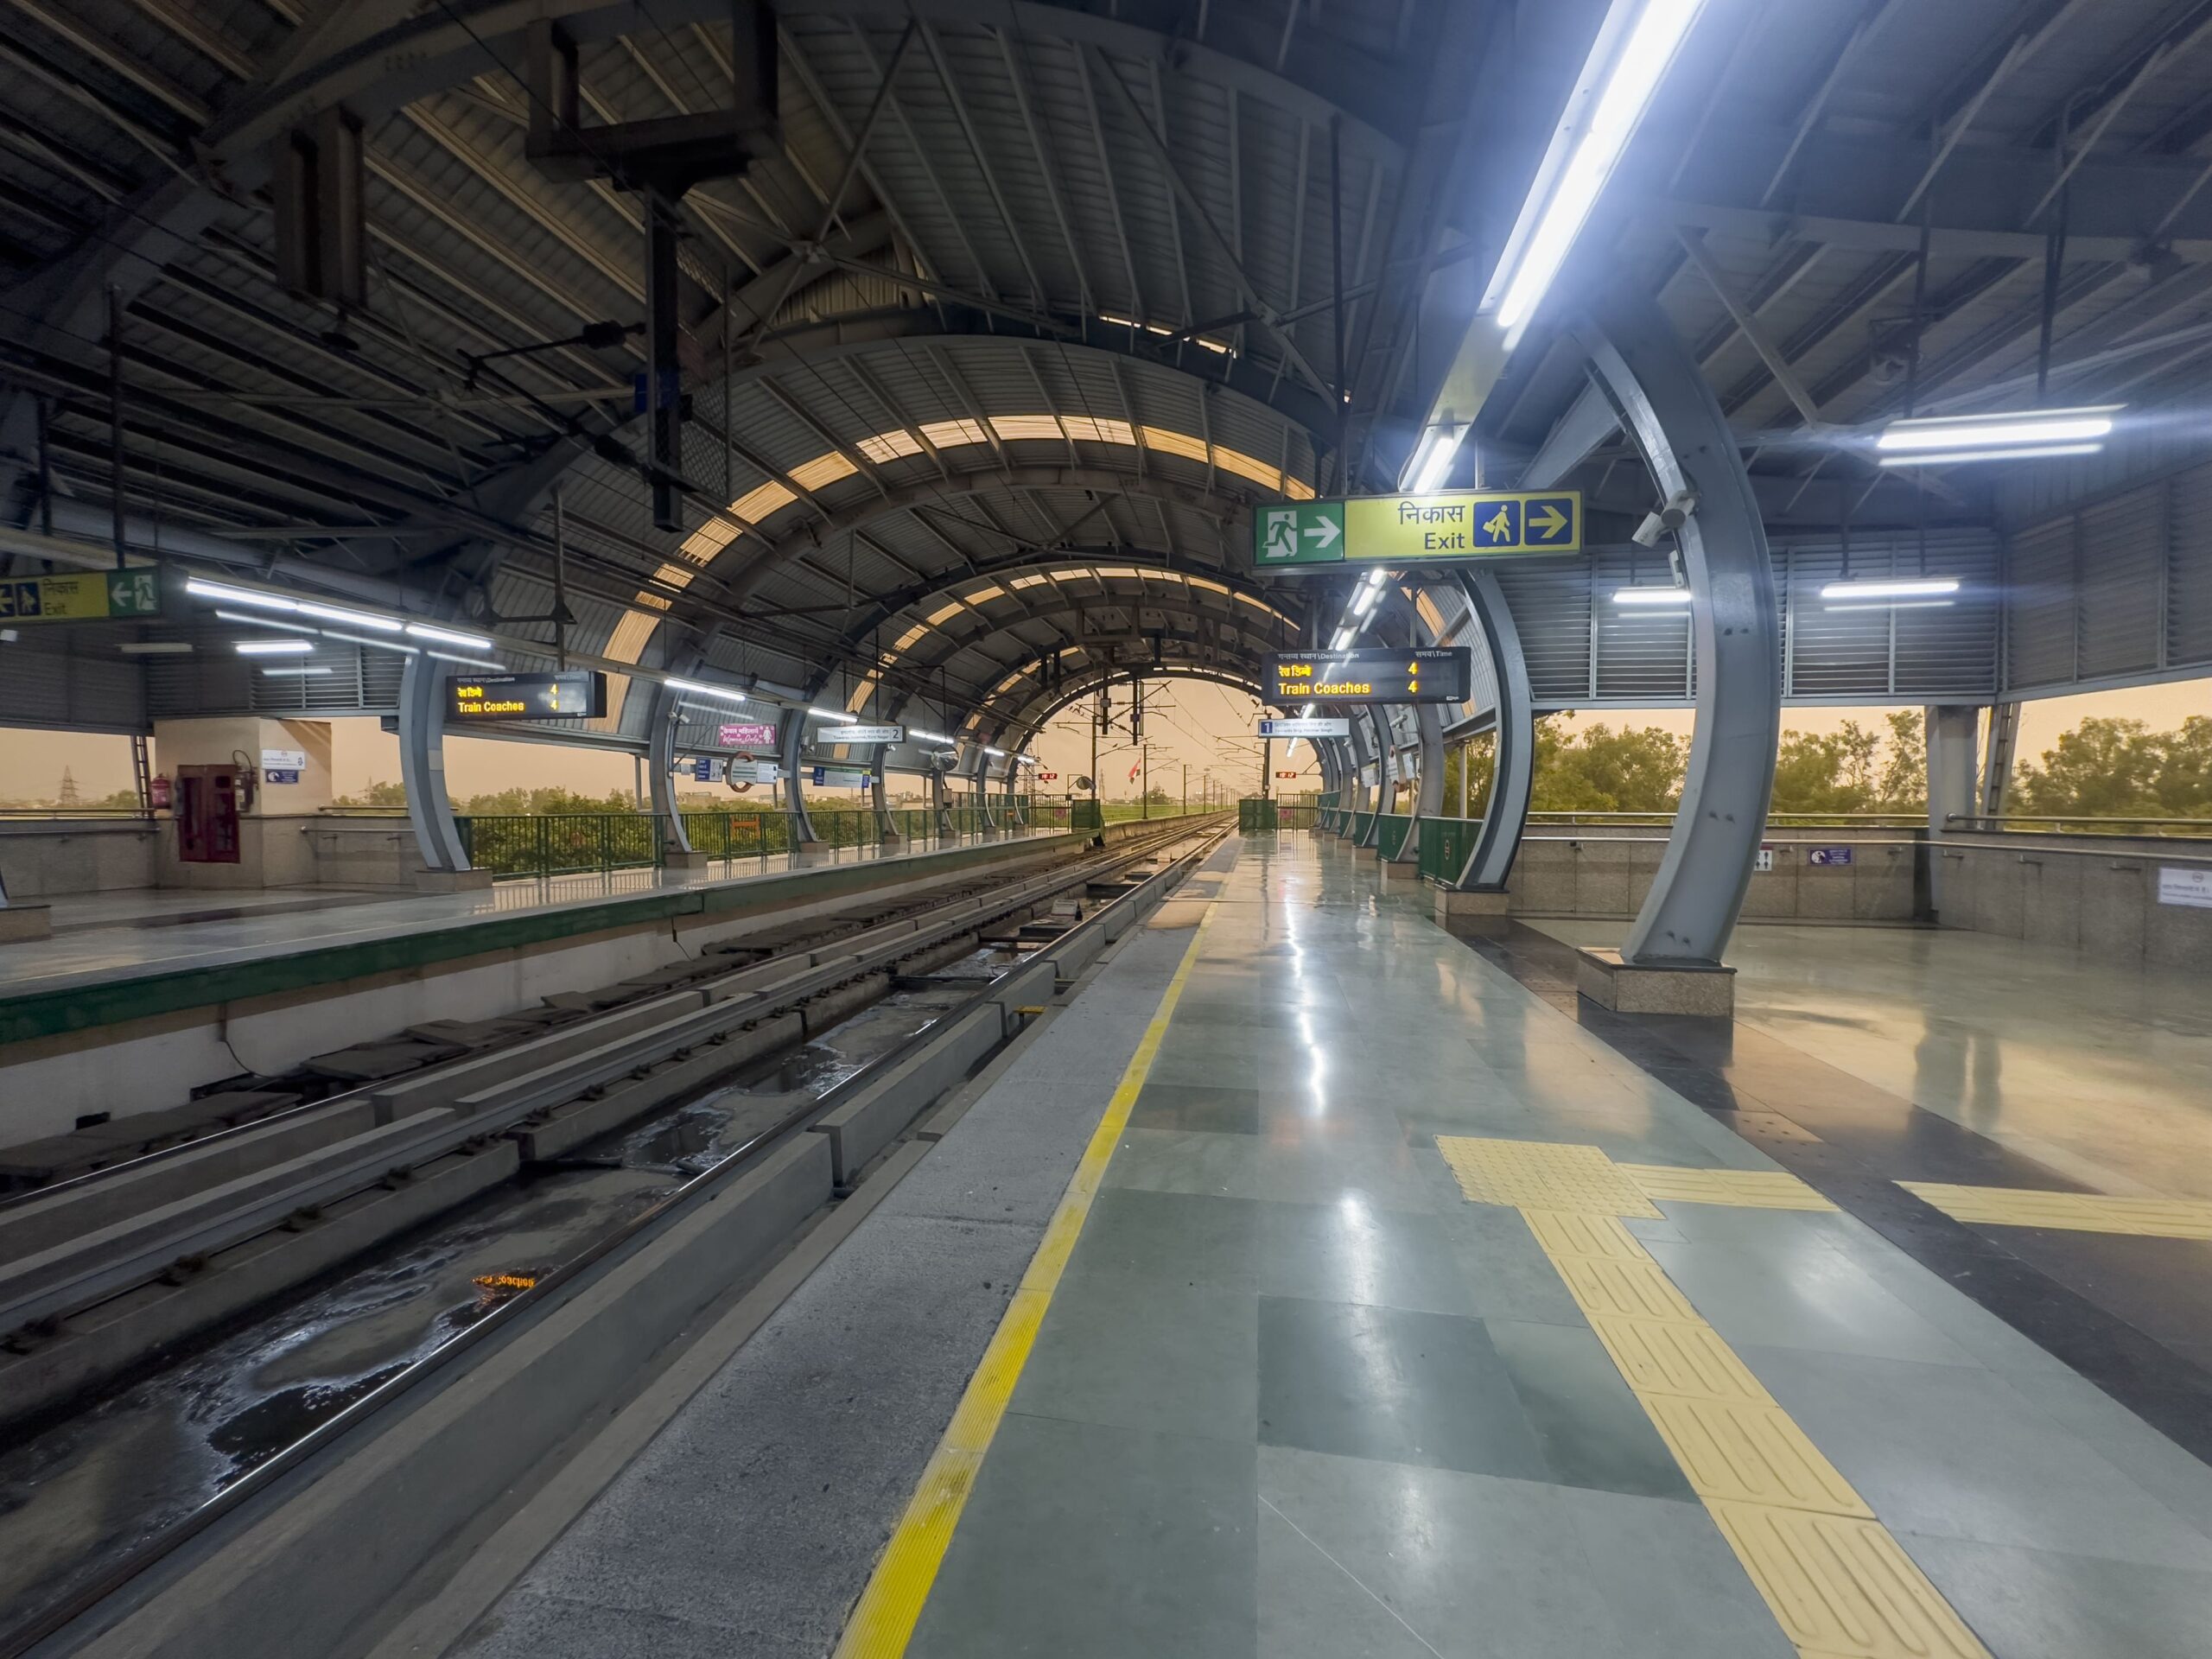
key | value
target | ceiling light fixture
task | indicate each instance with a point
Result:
(1635, 46)
(263, 622)
(2002, 432)
(271, 647)
(1893, 605)
(835, 714)
(1431, 462)
(1955, 457)
(720, 693)
(293, 668)
(447, 637)
(355, 619)
(467, 662)
(1892, 588)
(1651, 596)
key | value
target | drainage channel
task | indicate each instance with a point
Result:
(78, 1497)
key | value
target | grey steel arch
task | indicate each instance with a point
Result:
(1505, 815)
(1018, 728)
(660, 766)
(794, 743)
(1669, 409)
(879, 796)
(422, 764)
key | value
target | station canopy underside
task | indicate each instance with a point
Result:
(991, 425)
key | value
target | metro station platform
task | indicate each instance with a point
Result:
(1322, 1284)
(185, 990)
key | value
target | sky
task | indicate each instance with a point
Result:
(1188, 723)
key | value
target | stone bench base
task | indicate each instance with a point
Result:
(1708, 989)
(20, 924)
(1471, 911)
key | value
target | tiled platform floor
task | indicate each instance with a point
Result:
(1297, 1394)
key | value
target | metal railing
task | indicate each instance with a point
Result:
(1446, 844)
(571, 843)
(2185, 828)
(1778, 820)
(1390, 834)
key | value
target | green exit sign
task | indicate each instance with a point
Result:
(94, 596)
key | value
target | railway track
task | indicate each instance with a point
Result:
(538, 1100)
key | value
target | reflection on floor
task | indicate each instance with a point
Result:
(1304, 1390)
(2102, 1074)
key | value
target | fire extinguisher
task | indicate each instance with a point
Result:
(158, 793)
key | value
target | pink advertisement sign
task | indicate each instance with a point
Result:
(746, 737)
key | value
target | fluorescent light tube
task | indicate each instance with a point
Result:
(154, 647)
(723, 693)
(351, 619)
(1889, 587)
(271, 647)
(1894, 605)
(987, 749)
(216, 590)
(1432, 459)
(2014, 427)
(447, 637)
(835, 714)
(294, 669)
(469, 662)
(927, 737)
(1630, 82)
(1651, 596)
(1953, 457)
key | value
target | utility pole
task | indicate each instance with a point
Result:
(1266, 765)
(1144, 780)
(1186, 789)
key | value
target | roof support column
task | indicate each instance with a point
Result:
(1505, 815)
(1953, 764)
(940, 802)
(1669, 411)
(660, 766)
(803, 838)
(980, 779)
(887, 832)
(422, 765)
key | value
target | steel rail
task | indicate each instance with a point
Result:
(509, 1317)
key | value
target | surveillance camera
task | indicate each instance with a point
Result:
(1671, 514)
(1648, 533)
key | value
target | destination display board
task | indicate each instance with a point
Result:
(1371, 674)
(1305, 726)
(578, 694)
(1451, 526)
(861, 734)
(95, 596)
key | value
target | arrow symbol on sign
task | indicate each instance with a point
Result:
(1325, 532)
(1548, 522)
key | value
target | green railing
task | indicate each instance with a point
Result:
(1445, 846)
(570, 843)
(1256, 816)
(1362, 824)
(1295, 815)
(1390, 838)
(560, 843)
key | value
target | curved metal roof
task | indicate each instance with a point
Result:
(1075, 308)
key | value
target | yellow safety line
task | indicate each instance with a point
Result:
(2078, 1212)
(1836, 1581)
(883, 1620)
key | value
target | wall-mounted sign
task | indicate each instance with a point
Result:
(96, 596)
(1307, 726)
(1288, 775)
(746, 736)
(838, 778)
(702, 768)
(280, 775)
(864, 735)
(1372, 674)
(284, 760)
(1449, 526)
(1829, 856)
(579, 694)
(1048, 777)
(1763, 860)
(2179, 884)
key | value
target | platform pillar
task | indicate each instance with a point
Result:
(422, 765)
(1668, 408)
(660, 766)
(1505, 815)
(1954, 765)
(794, 744)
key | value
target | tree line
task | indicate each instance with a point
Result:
(2105, 768)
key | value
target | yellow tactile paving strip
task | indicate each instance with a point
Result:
(1542, 1175)
(1840, 1585)
(2079, 1213)
(1749, 1189)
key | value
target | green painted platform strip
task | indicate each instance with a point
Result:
(86, 1008)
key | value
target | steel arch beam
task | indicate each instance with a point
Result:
(1669, 411)
(1022, 724)
(660, 762)
(423, 765)
(794, 742)
(1505, 815)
